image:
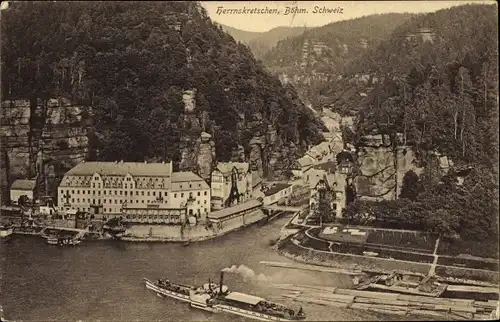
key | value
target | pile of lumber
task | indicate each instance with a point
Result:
(390, 303)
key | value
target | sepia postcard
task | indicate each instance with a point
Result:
(249, 160)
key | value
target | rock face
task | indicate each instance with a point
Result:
(197, 146)
(381, 170)
(40, 139)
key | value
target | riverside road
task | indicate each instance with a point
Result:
(102, 280)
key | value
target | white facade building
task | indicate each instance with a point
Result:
(138, 191)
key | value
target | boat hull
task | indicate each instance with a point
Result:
(178, 296)
(249, 314)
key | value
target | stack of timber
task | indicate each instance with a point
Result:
(317, 268)
(390, 303)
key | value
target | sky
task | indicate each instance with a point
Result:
(310, 12)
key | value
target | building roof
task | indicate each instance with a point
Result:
(276, 188)
(320, 150)
(329, 166)
(140, 169)
(21, 184)
(244, 298)
(220, 214)
(305, 161)
(328, 178)
(187, 180)
(227, 167)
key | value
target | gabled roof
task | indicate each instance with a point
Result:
(186, 181)
(20, 184)
(319, 150)
(139, 169)
(328, 178)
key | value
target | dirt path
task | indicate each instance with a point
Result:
(432, 269)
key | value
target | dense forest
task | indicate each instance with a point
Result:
(131, 62)
(441, 95)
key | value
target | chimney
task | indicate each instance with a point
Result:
(221, 281)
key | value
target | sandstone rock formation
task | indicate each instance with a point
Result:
(42, 138)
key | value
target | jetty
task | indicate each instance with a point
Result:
(390, 303)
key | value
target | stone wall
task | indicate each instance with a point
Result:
(54, 131)
(198, 232)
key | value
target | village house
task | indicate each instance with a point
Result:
(336, 175)
(324, 183)
(141, 192)
(321, 152)
(22, 188)
(231, 184)
(302, 165)
(276, 193)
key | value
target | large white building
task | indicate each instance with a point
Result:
(231, 184)
(143, 192)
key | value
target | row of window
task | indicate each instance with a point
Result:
(117, 201)
(113, 210)
(125, 193)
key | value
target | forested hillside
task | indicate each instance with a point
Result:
(261, 42)
(439, 90)
(131, 63)
(322, 54)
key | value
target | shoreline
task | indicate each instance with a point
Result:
(286, 248)
(147, 239)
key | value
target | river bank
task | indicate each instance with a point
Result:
(291, 249)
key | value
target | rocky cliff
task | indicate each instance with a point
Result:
(41, 139)
(381, 169)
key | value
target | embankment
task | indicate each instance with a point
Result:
(293, 250)
(174, 233)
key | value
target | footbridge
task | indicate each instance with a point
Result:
(284, 208)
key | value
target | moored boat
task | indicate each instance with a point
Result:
(5, 231)
(167, 288)
(65, 241)
(52, 240)
(217, 298)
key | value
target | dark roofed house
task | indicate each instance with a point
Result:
(277, 192)
(22, 188)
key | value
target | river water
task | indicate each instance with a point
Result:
(102, 280)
